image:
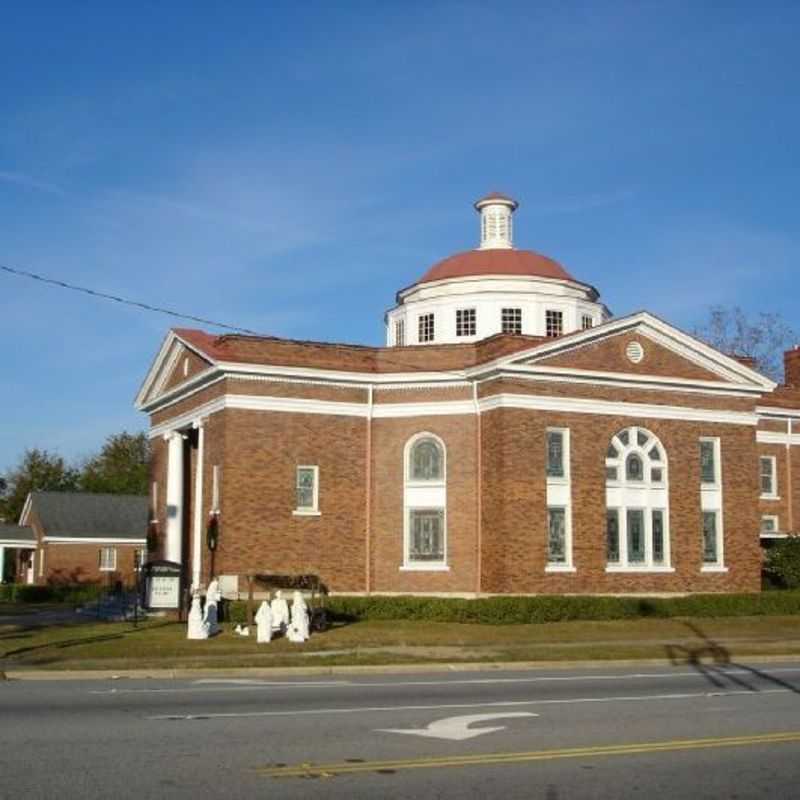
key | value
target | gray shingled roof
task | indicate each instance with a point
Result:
(91, 516)
(15, 533)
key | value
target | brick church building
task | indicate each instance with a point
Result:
(511, 437)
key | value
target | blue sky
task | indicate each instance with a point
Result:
(286, 167)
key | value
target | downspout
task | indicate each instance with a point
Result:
(368, 494)
(478, 491)
(789, 485)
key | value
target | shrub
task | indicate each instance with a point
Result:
(783, 562)
(60, 593)
(547, 608)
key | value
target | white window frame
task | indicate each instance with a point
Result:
(711, 500)
(717, 466)
(307, 511)
(773, 493)
(422, 325)
(645, 495)
(587, 322)
(558, 314)
(559, 495)
(400, 332)
(775, 533)
(566, 564)
(466, 322)
(102, 559)
(511, 318)
(424, 495)
(140, 554)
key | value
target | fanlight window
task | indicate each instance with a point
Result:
(426, 461)
(637, 502)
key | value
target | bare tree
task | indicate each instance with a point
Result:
(763, 337)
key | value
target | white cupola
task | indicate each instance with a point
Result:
(492, 289)
(496, 211)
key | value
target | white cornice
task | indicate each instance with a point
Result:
(535, 372)
(22, 544)
(363, 379)
(92, 540)
(570, 405)
(773, 437)
(769, 411)
(576, 405)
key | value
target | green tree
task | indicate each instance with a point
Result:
(37, 470)
(121, 467)
(764, 337)
(783, 562)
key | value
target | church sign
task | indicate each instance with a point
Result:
(162, 584)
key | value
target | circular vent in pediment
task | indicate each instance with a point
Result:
(635, 352)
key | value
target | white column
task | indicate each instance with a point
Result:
(2, 562)
(197, 544)
(174, 532)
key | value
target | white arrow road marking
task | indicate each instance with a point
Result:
(457, 728)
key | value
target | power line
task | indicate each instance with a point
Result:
(125, 301)
(169, 312)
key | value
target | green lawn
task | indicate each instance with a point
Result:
(163, 644)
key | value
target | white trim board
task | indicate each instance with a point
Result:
(607, 408)
(620, 380)
(769, 411)
(454, 407)
(18, 544)
(773, 437)
(109, 540)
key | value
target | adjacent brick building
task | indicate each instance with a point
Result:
(511, 437)
(75, 537)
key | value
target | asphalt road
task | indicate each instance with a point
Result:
(652, 732)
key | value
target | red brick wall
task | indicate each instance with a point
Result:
(259, 533)
(79, 563)
(389, 437)
(514, 520)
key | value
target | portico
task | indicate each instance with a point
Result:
(15, 539)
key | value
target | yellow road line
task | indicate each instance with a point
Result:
(484, 759)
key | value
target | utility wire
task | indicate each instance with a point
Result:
(169, 312)
(125, 301)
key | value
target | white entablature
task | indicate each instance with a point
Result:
(492, 289)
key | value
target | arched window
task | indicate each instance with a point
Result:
(427, 460)
(637, 503)
(425, 504)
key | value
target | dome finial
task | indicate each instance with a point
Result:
(496, 226)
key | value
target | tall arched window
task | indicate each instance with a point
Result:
(637, 503)
(425, 504)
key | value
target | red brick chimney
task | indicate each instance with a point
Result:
(791, 366)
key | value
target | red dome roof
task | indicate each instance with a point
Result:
(496, 262)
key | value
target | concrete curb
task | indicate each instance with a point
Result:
(380, 669)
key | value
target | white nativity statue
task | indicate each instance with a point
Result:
(298, 630)
(210, 613)
(280, 612)
(198, 629)
(264, 622)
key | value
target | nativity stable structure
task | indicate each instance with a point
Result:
(511, 437)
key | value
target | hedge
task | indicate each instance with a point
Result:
(549, 608)
(25, 593)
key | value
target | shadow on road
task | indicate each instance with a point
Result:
(713, 661)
